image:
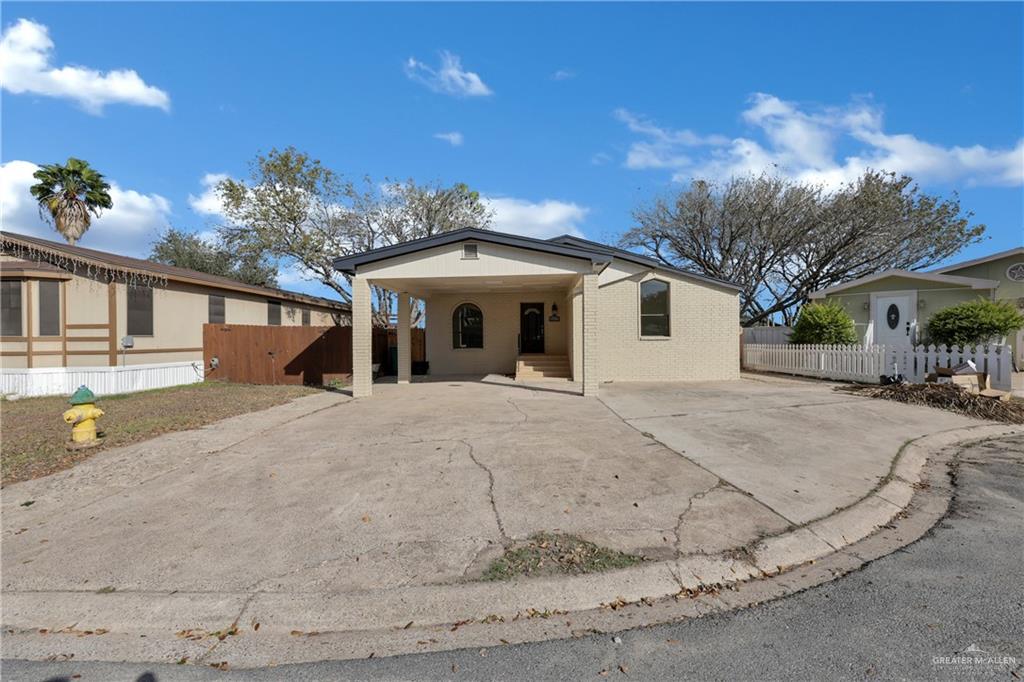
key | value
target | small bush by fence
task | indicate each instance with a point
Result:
(868, 363)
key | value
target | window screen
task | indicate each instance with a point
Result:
(49, 308)
(654, 308)
(140, 311)
(10, 304)
(469, 251)
(216, 309)
(274, 312)
(305, 317)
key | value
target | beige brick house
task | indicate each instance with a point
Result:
(72, 307)
(562, 308)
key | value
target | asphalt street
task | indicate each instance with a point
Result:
(949, 606)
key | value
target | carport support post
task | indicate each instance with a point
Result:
(591, 376)
(362, 339)
(404, 338)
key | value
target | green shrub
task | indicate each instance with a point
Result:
(823, 323)
(974, 322)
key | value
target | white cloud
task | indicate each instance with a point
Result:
(453, 138)
(449, 78)
(600, 158)
(26, 51)
(661, 147)
(802, 143)
(129, 228)
(563, 75)
(208, 201)
(548, 218)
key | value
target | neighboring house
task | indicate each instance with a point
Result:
(67, 306)
(564, 307)
(893, 307)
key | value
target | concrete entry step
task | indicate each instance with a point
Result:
(540, 366)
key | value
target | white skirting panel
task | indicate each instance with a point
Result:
(25, 383)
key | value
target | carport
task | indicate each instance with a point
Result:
(491, 300)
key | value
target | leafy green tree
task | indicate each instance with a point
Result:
(823, 323)
(974, 322)
(69, 195)
(294, 208)
(188, 250)
(782, 239)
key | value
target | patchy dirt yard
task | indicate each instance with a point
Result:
(33, 435)
(556, 554)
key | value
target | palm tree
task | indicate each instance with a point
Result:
(68, 194)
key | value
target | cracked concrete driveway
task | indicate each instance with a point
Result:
(422, 484)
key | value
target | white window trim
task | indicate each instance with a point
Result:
(477, 250)
(639, 314)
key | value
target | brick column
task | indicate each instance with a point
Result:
(362, 339)
(576, 307)
(404, 338)
(591, 370)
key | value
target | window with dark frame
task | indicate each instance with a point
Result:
(10, 307)
(215, 308)
(654, 310)
(467, 327)
(49, 308)
(305, 317)
(140, 311)
(274, 313)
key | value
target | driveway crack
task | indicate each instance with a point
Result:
(689, 506)
(490, 490)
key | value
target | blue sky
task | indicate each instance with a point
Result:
(563, 116)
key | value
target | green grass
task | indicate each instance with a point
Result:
(548, 554)
(33, 436)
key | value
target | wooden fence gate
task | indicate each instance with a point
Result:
(258, 354)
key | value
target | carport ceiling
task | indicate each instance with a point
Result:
(424, 287)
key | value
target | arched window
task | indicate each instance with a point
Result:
(467, 327)
(654, 308)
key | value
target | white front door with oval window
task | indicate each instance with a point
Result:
(893, 320)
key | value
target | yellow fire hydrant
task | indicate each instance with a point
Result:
(82, 417)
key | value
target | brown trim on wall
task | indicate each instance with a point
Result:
(136, 351)
(12, 353)
(28, 314)
(64, 323)
(87, 326)
(112, 324)
(53, 339)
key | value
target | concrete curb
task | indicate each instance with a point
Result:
(394, 621)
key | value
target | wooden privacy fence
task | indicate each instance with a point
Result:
(256, 354)
(869, 363)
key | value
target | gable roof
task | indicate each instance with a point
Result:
(348, 264)
(41, 249)
(638, 259)
(564, 245)
(972, 282)
(1017, 251)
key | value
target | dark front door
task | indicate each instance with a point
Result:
(531, 327)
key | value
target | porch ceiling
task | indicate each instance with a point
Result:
(422, 287)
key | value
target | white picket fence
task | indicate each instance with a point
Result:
(868, 363)
(37, 381)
